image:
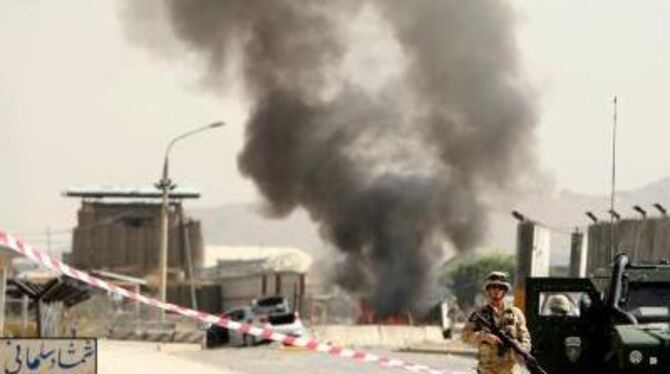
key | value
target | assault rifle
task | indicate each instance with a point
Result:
(508, 341)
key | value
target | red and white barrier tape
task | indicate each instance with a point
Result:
(38, 256)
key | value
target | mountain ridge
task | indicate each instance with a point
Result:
(562, 212)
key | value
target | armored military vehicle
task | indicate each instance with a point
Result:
(616, 323)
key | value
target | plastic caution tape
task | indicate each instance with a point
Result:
(18, 245)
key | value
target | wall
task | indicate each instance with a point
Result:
(532, 256)
(377, 335)
(644, 240)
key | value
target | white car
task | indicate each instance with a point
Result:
(217, 336)
(274, 312)
(245, 315)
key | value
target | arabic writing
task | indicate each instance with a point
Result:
(54, 355)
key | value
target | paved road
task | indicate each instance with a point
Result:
(277, 359)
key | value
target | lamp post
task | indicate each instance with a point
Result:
(166, 185)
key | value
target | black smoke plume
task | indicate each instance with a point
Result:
(389, 174)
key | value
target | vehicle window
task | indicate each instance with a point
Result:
(647, 295)
(281, 319)
(649, 302)
(563, 304)
(269, 301)
(236, 315)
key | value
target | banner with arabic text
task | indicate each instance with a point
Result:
(48, 355)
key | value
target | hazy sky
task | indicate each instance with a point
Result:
(81, 105)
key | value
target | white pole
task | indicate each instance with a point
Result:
(3, 296)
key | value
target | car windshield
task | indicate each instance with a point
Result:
(648, 294)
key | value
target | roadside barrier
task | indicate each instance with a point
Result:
(16, 244)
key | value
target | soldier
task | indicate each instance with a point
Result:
(494, 358)
(559, 305)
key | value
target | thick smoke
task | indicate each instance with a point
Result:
(389, 174)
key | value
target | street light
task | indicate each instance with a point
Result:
(592, 216)
(166, 185)
(639, 209)
(661, 209)
(520, 217)
(615, 215)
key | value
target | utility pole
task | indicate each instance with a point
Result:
(613, 190)
(165, 185)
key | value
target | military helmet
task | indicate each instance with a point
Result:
(559, 305)
(497, 278)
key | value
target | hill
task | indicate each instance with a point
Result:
(244, 224)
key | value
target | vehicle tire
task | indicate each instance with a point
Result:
(216, 336)
(247, 340)
(224, 336)
(212, 338)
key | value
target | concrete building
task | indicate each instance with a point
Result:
(247, 273)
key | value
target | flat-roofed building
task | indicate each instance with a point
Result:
(245, 273)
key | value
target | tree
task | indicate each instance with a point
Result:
(466, 276)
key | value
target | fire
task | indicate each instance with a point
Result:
(366, 316)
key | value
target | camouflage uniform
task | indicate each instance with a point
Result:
(493, 358)
(510, 320)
